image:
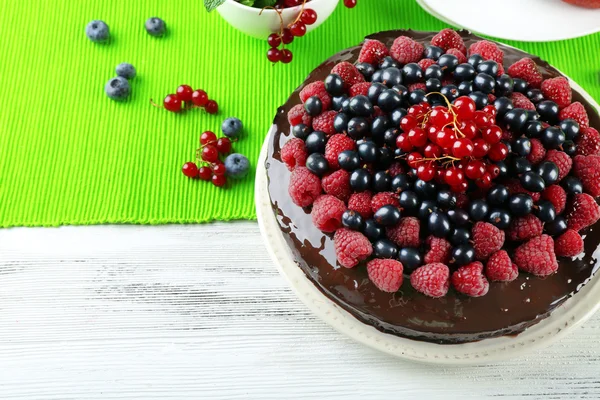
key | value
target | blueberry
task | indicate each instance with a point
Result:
(439, 224)
(237, 166)
(358, 127)
(475, 60)
(556, 227)
(533, 129)
(515, 120)
(409, 201)
(532, 181)
(460, 236)
(433, 52)
(340, 122)
(425, 190)
(434, 71)
(463, 254)
(500, 218)
(232, 127)
(489, 67)
(520, 85)
(464, 72)
(548, 171)
(388, 62)
(361, 105)
(117, 88)
(545, 211)
(372, 231)
(126, 71)
(433, 85)
(570, 127)
(478, 210)
(301, 131)
(519, 165)
(450, 92)
(498, 195)
(400, 183)
(313, 106)
(481, 99)
(378, 128)
(367, 70)
(317, 164)
(349, 160)
(387, 215)
(389, 100)
(410, 258)
(552, 137)
(572, 185)
(156, 26)
(465, 88)
(383, 248)
(381, 181)
(503, 105)
(353, 220)
(446, 199)
(522, 146)
(315, 142)
(520, 204)
(535, 95)
(484, 83)
(504, 86)
(412, 73)
(426, 208)
(548, 111)
(97, 31)
(417, 97)
(368, 152)
(360, 180)
(458, 217)
(448, 62)
(391, 77)
(390, 136)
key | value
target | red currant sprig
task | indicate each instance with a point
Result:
(186, 98)
(207, 155)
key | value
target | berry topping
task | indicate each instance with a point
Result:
(360, 89)
(373, 52)
(569, 244)
(500, 267)
(432, 280)
(487, 50)
(525, 228)
(448, 39)
(386, 274)
(487, 239)
(582, 212)
(587, 169)
(469, 280)
(316, 89)
(361, 203)
(349, 74)
(562, 161)
(439, 250)
(576, 111)
(298, 115)
(527, 70)
(556, 195)
(458, 54)
(558, 90)
(537, 153)
(304, 187)
(351, 247)
(406, 232)
(335, 145)
(324, 122)
(405, 50)
(337, 184)
(588, 142)
(294, 154)
(519, 100)
(537, 256)
(327, 213)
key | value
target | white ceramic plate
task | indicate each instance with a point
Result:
(573, 312)
(527, 20)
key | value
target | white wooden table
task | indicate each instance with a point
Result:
(200, 312)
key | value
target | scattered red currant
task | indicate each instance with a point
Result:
(199, 98)
(185, 93)
(286, 56)
(172, 103)
(207, 137)
(204, 173)
(274, 55)
(224, 145)
(219, 180)
(308, 16)
(190, 169)
(350, 3)
(210, 153)
(212, 107)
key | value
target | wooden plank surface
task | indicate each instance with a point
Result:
(174, 312)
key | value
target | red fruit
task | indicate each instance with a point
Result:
(538, 152)
(584, 3)
(286, 56)
(327, 213)
(417, 86)
(446, 138)
(324, 122)
(219, 180)
(274, 40)
(426, 63)
(350, 3)
(403, 142)
(487, 50)
(287, 37)
(537, 256)
(556, 195)
(449, 39)
(298, 29)
(490, 110)
(386, 274)
(426, 171)
(465, 108)
(462, 148)
(582, 212)
(500, 268)
(308, 16)
(337, 184)
(383, 199)
(372, 52)
(454, 176)
(413, 159)
(485, 182)
(439, 250)
(316, 89)
(493, 170)
(417, 137)
(199, 98)
(525, 228)
(432, 280)
(469, 280)
(304, 187)
(487, 239)
(458, 54)
(298, 115)
(224, 145)
(361, 203)
(351, 247)
(294, 153)
(469, 129)
(588, 142)
(172, 103)
(406, 232)
(219, 169)
(498, 152)
(184, 93)
(577, 112)
(190, 169)
(527, 70)
(211, 107)
(210, 153)
(335, 145)
(569, 244)
(558, 90)
(432, 151)
(274, 55)
(405, 50)
(408, 122)
(349, 74)
(204, 173)
(562, 161)
(521, 101)
(514, 187)
(208, 137)
(475, 169)
(440, 117)
(359, 89)
(587, 169)
(395, 169)
(480, 148)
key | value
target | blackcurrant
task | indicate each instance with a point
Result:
(548, 171)
(367, 70)
(572, 185)
(334, 85)
(481, 99)
(500, 218)
(533, 129)
(552, 137)
(400, 183)
(520, 204)
(353, 220)
(478, 210)
(498, 195)
(349, 160)
(360, 180)
(475, 60)
(484, 83)
(504, 86)
(522, 146)
(503, 105)
(446, 199)
(548, 111)
(387, 215)
(313, 106)
(368, 152)
(450, 92)
(519, 165)
(426, 208)
(388, 62)
(372, 231)
(570, 127)
(463, 254)
(389, 100)
(465, 88)
(515, 120)
(358, 127)
(397, 115)
(361, 105)
(412, 73)
(338, 101)
(379, 126)
(383, 248)
(374, 91)
(391, 77)
(410, 258)
(439, 224)
(489, 67)
(460, 236)
(315, 142)
(425, 190)
(520, 85)
(448, 62)
(340, 122)
(545, 211)
(409, 201)
(301, 131)
(317, 164)
(433, 85)
(433, 72)
(381, 181)
(532, 181)
(417, 97)
(570, 148)
(556, 227)
(458, 217)
(433, 52)
(535, 95)
(464, 72)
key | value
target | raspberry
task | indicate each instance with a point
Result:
(439, 250)
(449, 39)
(470, 280)
(491, 98)
(383, 199)
(487, 239)
(577, 112)
(337, 184)
(335, 145)
(372, 52)
(538, 152)
(426, 63)
(582, 212)
(294, 154)
(507, 135)
(386, 274)
(527, 70)
(304, 187)
(395, 169)
(405, 50)
(500, 268)
(316, 89)
(487, 50)
(361, 203)
(462, 200)
(417, 86)
(537, 256)
(351, 247)
(587, 168)
(521, 101)
(562, 161)
(558, 90)
(324, 122)
(406, 232)
(327, 213)
(500, 70)
(525, 228)
(377, 112)
(588, 142)
(349, 74)
(432, 280)
(569, 244)
(298, 115)
(360, 89)
(515, 187)
(459, 54)
(556, 195)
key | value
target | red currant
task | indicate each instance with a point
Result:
(350, 3)
(408, 122)
(492, 134)
(274, 55)
(462, 148)
(172, 103)
(298, 29)
(219, 169)
(469, 129)
(475, 169)
(440, 117)
(413, 159)
(454, 176)
(432, 151)
(219, 180)
(498, 152)
(207, 137)
(480, 148)
(490, 110)
(308, 16)
(460, 188)
(446, 137)
(199, 98)
(493, 170)
(416, 111)
(224, 145)
(210, 153)
(426, 172)
(292, 3)
(481, 119)
(432, 133)
(403, 142)
(274, 40)
(190, 169)
(211, 107)
(185, 92)
(287, 37)
(286, 56)
(465, 108)
(485, 182)
(204, 173)
(417, 137)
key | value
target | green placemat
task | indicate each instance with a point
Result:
(69, 155)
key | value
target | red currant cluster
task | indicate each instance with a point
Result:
(186, 98)
(297, 28)
(453, 144)
(208, 154)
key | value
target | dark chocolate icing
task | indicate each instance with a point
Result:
(507, 309)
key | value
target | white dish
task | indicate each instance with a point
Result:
(250, 21)
(526, 20)
(570, 314)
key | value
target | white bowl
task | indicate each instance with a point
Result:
(250, 21)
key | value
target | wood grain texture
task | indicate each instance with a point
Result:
(174, 312)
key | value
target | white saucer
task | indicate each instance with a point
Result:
(573, 312)
(526, 20)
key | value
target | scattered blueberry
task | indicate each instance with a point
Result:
(117, 88)
(97, 31)
(156, 26)
(126, 71)
(237, 166)
(232, 127)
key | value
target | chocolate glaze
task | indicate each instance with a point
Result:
(508, 308)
